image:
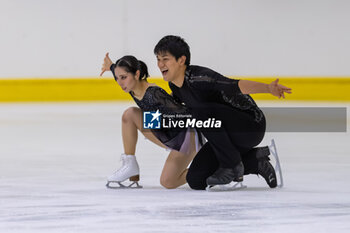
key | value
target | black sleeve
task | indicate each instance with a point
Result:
(208, 80)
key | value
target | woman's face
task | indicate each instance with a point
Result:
(127, 81)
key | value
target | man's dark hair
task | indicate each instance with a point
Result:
(174, 45)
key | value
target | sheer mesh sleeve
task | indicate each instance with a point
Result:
(166, 103)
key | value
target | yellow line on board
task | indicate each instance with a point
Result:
(98, 89)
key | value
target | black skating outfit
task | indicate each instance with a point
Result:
(155, 98)
(208, 94)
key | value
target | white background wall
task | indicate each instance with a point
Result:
(51, 38)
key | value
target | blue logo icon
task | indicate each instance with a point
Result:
(151, 120)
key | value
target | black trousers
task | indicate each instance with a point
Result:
(227, 146)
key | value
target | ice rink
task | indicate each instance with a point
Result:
(55, 157)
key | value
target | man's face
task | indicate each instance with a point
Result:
(169, 66)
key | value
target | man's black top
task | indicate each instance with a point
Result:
(203, 86)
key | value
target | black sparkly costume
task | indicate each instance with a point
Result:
(155, 98)
(203, 86)
(208, 94)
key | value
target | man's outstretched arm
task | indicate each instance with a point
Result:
(274, 88)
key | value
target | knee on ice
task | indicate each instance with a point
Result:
(195, 183)
(168, 182)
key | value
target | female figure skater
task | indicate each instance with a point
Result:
(131, 74)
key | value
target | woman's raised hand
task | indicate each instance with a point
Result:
(107, 62)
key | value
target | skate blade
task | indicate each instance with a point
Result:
(233, 186)
(133, 185)
(277, 167)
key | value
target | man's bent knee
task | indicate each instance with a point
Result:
(194, 182)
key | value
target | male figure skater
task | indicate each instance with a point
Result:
(229, 152)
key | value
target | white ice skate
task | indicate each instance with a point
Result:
(129, 170)
(278, 169)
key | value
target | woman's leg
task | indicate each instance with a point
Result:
(175, 168)
(131, 122)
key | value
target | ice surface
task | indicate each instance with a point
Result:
(54, 160)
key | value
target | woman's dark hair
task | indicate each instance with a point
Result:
(131, 65)
(174, 45)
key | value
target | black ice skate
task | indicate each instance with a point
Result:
(265, 168)
(224, 176)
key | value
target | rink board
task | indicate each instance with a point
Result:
(106, 89)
